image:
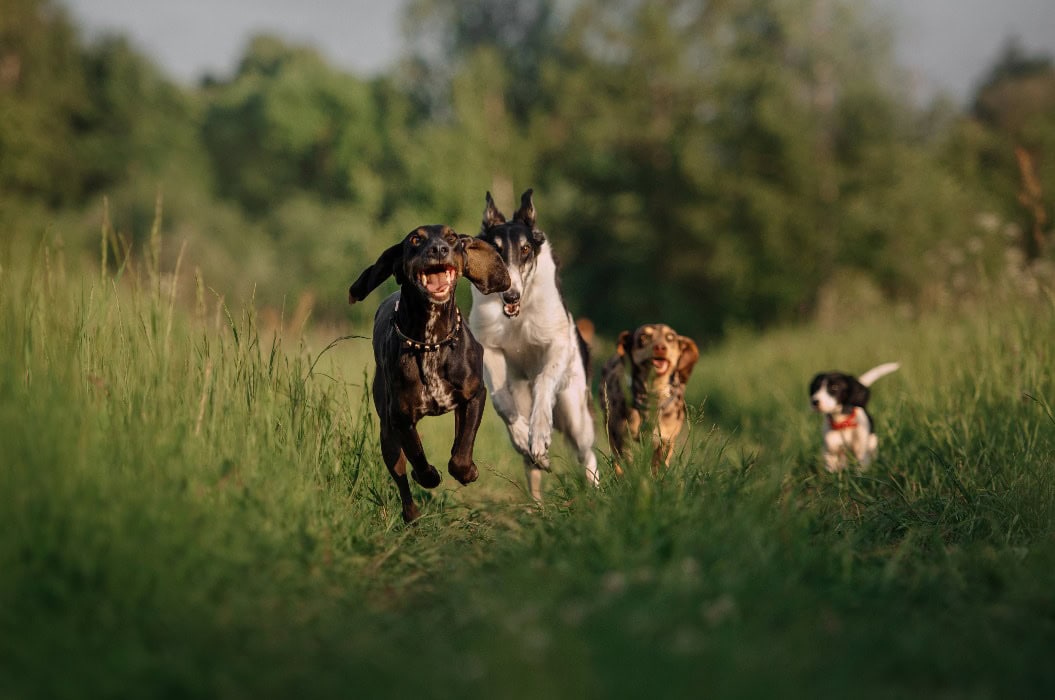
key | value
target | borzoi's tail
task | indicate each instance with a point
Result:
(876, 372)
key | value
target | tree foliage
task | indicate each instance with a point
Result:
(709, 164)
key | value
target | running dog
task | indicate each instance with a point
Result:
(848, 427)
(428, 363)
(661, 362)
(536, 363)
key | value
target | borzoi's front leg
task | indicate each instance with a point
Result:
(543, 398)
(496, 376)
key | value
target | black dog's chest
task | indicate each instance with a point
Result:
(430, 373)
(432, 383)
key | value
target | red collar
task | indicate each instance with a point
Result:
(848, 422)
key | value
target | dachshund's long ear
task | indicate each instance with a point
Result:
(526, 213)
(857, 394)
(492, 217)
(687, 360)
(482, 265)
(390, 263)
(622, 346)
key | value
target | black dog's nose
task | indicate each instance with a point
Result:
(510, 297)
(439, 251)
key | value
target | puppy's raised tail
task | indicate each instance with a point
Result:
(880, 371)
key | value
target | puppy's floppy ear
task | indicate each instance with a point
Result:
(492, 217)
(526, 213)
(622, 346)
(482, 265)
(390, 263)
(815, 383)
(687, 359)
(857, 394)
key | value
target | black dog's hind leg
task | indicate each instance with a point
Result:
(396, 462)
(467, 417)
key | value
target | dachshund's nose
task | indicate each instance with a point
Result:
(511, 297)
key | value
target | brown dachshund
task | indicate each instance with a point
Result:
(660, 364)
(428, 363)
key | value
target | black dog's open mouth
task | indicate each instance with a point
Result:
(661, 364)
(438, 281)
(511, 310)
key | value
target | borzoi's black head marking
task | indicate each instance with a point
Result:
(518, 241)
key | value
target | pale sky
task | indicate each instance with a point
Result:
(946, 44)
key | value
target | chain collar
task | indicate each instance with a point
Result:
(412, 344)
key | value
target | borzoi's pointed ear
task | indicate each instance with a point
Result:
(687, 359)
(482, 265)
(857, 394)
(492, 217)
(390, 263)
(526, 212)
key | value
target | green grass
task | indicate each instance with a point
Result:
(192, 505)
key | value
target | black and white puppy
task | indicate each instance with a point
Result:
(848, 427)
(535, 360)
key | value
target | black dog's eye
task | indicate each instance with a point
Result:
(415, 240)
(451, 238)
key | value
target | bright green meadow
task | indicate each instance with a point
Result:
(193, 504)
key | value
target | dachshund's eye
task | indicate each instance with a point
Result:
(670, 337)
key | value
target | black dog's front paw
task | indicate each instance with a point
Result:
(465, 474)
(429, 479)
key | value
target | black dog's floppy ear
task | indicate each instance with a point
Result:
(390, 263)
(857, 394)
(492, 217)
(687, 360)
(482, 265)
(526, 212)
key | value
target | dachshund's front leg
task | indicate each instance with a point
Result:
(467, 417)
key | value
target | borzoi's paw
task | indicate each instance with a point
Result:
(518, 433)
(539, 445)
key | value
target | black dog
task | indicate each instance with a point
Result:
(428, 363)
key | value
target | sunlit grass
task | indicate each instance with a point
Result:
(194, 504)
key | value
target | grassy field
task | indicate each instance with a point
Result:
(192, 505)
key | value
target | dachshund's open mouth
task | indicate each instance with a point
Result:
(438, 281)
(661, 364)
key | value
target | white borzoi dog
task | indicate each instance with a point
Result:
(535, 361)
(848, 426)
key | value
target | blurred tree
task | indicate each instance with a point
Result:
(446, 34)
(717, 152)
(288, 123)
(42, 99)
(1015, 104)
